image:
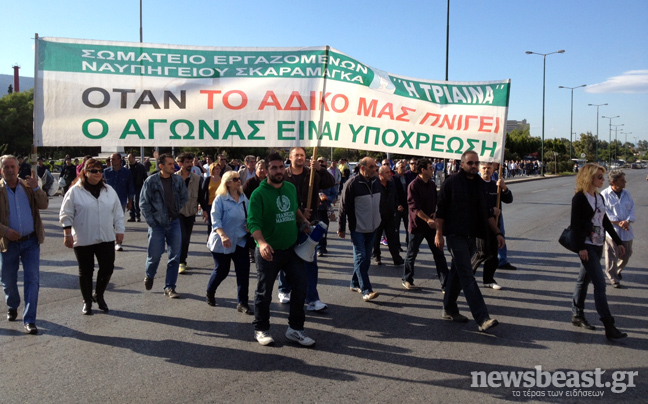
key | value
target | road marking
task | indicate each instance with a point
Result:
(539, 190)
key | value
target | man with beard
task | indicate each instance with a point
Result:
(273, 220)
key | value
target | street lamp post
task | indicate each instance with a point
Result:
(597, 128)
(616, 141)
(625, 143)
(610, 144)
(571, 127)
(544, 71)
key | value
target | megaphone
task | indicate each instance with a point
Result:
(306, 249)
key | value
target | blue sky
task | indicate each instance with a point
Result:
(605, 43)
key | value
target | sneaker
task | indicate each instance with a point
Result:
(383, 241)
(148, 283)
(211, 300)
(370, 296)
(263, 337)
(460, 318)
(284, 298)
(12, 314)
(31, 329)
(493, 285)
(616, 285)
(409, 285)
(354, 289)
(317, 305)
(171, 293)
(300, 337)
(320, 253)
(508, 267)
(118, 247)
(182, 268)
(488, 323)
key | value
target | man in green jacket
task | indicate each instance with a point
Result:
(272, 219)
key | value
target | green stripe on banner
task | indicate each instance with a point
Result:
(196, 63)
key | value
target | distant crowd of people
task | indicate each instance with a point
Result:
(258, 211)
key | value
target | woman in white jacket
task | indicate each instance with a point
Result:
(92, 220)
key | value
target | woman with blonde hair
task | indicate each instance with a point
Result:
(228, 239)
(589, 223)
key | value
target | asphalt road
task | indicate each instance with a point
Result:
(394, 349)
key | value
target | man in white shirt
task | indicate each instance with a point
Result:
(619, 207)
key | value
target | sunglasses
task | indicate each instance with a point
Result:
(472, 163)
(235, 179)
(95, 171)
(600, 177)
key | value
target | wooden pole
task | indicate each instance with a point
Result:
(311, 180)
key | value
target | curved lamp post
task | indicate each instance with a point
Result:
(610, 144)
(571, 127)
(544, 71)
(597, 127)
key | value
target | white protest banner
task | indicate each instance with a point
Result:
(101, 93)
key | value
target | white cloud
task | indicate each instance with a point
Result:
(634, 81)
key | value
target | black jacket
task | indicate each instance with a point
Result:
(455, 206)
(581, 219)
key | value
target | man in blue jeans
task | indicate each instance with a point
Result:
(462, 216)
(273, 219)
(361, 204)
(22, 233)
(163, 195)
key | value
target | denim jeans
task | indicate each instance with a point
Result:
(362, 246)
(27, 252)
(591, 272)
(186, 228)
(157, 237)
(402, 217)
(461, 278)
(293, 266)
(312, 272)
(135, 210)
(502, 252)
(222, 263)
(412, 251)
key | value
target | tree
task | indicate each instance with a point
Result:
(16, 121)
(520, 143)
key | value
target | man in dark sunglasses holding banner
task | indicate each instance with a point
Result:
(462, 216)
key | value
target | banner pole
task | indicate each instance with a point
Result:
(34, 148)
(499, 190)
(311, 180)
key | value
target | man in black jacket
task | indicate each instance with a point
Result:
(487, 247)
(388, 208)
(139, 174)
(462, 216)
(299, 175)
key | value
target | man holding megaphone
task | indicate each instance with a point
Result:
(274, 220)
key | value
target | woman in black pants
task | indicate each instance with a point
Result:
(92, 220)
(589, 224)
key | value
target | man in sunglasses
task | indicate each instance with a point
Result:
(462, 216)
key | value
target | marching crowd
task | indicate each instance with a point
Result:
(259, 211)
